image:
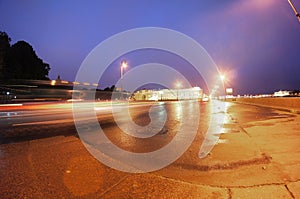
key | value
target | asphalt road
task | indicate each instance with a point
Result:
(42, 156)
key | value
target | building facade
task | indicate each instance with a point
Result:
(168, 94)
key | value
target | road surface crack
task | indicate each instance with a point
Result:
(113, 186)
(229, 193)
(229, 187)
(265, 159)
(291, 193)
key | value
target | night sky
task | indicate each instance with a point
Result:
(256, 43)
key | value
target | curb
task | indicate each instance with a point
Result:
(285, 109)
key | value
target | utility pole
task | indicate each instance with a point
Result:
(295, 11)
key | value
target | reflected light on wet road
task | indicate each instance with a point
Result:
(59, 115)
(218, 113)
(178, 111)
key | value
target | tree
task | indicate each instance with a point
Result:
(25, 64)
(107, 89)
(112, 88)
(20, 61)
(4, 48)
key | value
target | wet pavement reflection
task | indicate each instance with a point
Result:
(51, 158)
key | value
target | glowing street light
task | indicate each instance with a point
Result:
(124, 65)
(294, 9)
(222, 77)
(177, 86)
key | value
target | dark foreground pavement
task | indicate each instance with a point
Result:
(258, 156)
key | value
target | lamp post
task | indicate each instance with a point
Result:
(227, 86)
(178, 85)
(223, 79)
(123, 66)
(294, 9)
(160, 93)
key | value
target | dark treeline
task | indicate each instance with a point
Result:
(19, 61)
(112, 88)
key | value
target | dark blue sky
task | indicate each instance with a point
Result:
(256, 42)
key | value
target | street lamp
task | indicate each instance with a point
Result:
(123, 66)
(222, 77)
(178, 85)
(226, 83)
(161, 93)
(295, 11)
